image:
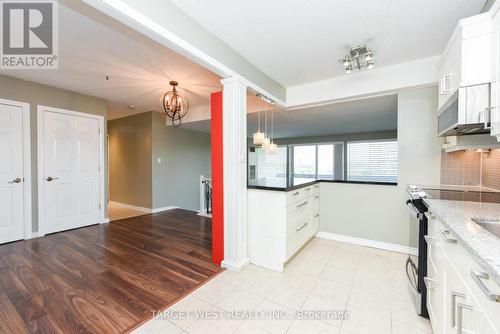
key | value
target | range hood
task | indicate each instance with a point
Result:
(474, 142)
(467, 111)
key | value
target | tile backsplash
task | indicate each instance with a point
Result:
(471, 168)
(491, 169)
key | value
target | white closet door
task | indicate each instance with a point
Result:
(71, 168)
(11, 173)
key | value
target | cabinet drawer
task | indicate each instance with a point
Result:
(294, 196)
(315, 204)
(479, 289)
(315, 224)
(297, 235)
(298, 209)
(316, 188)
(435, 299)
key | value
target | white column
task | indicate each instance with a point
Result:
(235, 174)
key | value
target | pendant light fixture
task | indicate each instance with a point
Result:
(258, 137)
(267, 141)
(175, 106)
(272, 148)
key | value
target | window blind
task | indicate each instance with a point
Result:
(372, 161)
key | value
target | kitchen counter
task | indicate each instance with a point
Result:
(290, 188)
(481, 244)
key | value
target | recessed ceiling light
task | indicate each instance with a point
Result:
(131, 106)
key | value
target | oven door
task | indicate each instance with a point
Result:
(414, 229)
(416, 266)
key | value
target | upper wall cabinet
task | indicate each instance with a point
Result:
(467, 58)
(495, 71)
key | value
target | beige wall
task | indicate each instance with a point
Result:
(156, 166)
(185, 155)
(130, 172)
(37, 94)
(378, 212)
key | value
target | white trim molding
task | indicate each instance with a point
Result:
(235, 174)
(27, 191)
(203, 214)
(130, 206)
(235, 266)
(143, 209)
(165, 208)
(369, 243)
(41, 109)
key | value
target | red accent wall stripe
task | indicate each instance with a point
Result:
(217, 179)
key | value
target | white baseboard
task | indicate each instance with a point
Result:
(33, 235)
(235, 266)
(106, 220)
(166, 208)
(369, 243)
(130, 206)
(279, 268)
(204, 214)
(142, 209)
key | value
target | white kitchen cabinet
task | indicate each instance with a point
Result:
(495, 72)
(280, 223)
(454, 297)
(466, 60)
(479, 322)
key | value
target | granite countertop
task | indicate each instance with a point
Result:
(483, 246)
(290, 188)
(452, 187)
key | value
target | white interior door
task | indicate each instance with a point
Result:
(11, 173)
(71, 171)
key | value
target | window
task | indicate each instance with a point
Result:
(326, 168)
(317, 162)
(372, 161)
(304, 164)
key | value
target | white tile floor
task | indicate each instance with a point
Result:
(325, 276)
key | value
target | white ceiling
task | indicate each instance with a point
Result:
(92, 46)
(298, 41)
(357, 116)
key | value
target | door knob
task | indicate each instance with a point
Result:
(50, 178)
(16, 180)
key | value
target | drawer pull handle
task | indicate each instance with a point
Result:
(460, 316)
(429, 239)
(445, 234)
(307, 189)
(454, 296)
(295, 193)
(301, 205)
(316, 196)
(316, 215)
(428, 281)
(316, 186)
(301, 227)
(476, 276)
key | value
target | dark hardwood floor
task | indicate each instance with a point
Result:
(103, 278)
